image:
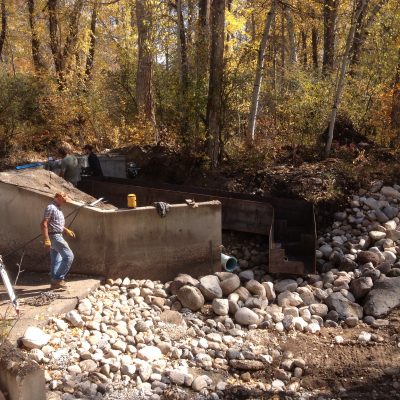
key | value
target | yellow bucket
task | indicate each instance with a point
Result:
(131, 200)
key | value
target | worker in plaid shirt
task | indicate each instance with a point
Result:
(53, 227)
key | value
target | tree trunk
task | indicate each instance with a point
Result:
(92, 44)
(184, 74)
(330, 15)
(72, 37)
(55, 45)
(395, 113)
(362, 30)
(3, 27)
(292, 38)
(359, 8)
(304, 47)
(144, 77)
(38, 61)
(251, 128)
(203, 39)
(314, 44)
(214, 103)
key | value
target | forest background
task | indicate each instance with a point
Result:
(214, 79)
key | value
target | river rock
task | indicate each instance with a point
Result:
(220, 306)
(190, 297)
(209, 286)
(230, 284)
(74, 318)
(343, 306)
(245, 316)
(390, 192)
(383, 297)
(360, 287)
(35, 338)
(182, 280)
(256, 288)
(286, 285)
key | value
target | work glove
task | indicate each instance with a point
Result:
(69, 232)
(47, 243)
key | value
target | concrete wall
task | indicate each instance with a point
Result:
(136, 243)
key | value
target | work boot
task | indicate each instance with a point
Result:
(58, 284)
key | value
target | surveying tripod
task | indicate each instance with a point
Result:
(7, 284)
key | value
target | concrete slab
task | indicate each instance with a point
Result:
(32, 284)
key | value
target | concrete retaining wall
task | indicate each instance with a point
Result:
(20, 377)
(136, 243)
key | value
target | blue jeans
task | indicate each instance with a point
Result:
(61, 257)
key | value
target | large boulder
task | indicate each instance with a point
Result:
(190, 297)
(343, 306)
(383, 297)
(210, 287)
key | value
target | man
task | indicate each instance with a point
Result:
(93, 160)
(69, 166)
(52, 226)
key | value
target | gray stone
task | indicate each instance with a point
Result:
(245, 316)
(289, 299)
(383, 297)
(390, 192)
(286, 284)
(343, 306)
(191, 297)
(319, 309)
(209, 286)
(200, 383)
(360, 287)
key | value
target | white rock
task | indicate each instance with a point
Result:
(61, 324)
(364, 337)
(220, 306)
(339, 339)
(277, 385)
(299, 324)
(35, 338)
(269, 290)
(313, 327)
(85, 307)
(36, 355)
(74, 318)
(149, 353)
(377, 235)
(289, 299)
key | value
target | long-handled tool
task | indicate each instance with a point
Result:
(7, 284)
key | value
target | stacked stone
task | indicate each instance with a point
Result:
(361, 250)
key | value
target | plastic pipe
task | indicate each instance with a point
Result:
(228, 262)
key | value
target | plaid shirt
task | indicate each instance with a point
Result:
(55, 217)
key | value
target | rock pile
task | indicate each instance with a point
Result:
(152, 336)
(129, 334)
(361, 252)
